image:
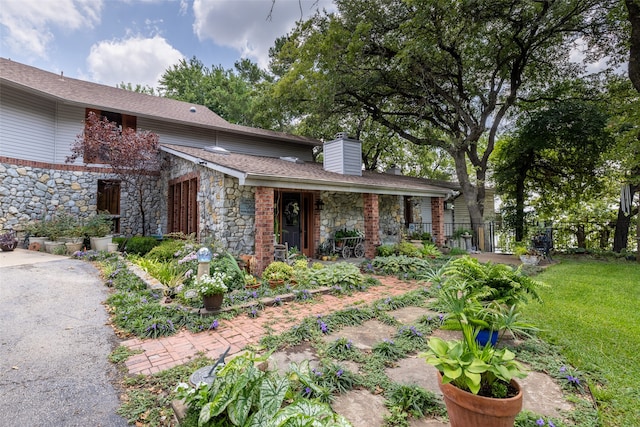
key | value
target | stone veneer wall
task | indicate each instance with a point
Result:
(341, 210)
(391, 218)
(219, 198)
(32, 191)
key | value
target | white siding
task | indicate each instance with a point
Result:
(27, 126)
(257, 146)
(69, 125)
(462, 213)
(342, 156)
(425, 209)
(171, 133)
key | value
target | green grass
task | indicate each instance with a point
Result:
(592, 311)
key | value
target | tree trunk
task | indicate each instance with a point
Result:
(581, 236)
(633, 7)
(519, 225)
(473, 195)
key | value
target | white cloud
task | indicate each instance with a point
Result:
(244, 24)
(134, 60)
(29, 24)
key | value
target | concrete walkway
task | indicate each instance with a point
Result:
(54, 343)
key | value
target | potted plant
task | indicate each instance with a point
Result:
(98, 228)
(211, 288)
(477, 382)
(528, 256)
(277, 273)
(8, 241)
(250, 281)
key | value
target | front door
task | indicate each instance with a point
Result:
(296, 219)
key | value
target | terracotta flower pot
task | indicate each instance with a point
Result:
(213, 302)
(467, 409)
(276, 283)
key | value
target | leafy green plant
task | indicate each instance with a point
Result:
(137, 245)
(385, 250)
(278, 270)
(407, 249)
(388, 349)
(242, 395)
(342, 349)
(430, 250)
(167, 250)
(458, 251)
(415, 400)
(343, 274)
(98, 225)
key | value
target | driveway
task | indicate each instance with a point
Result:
(54, 343)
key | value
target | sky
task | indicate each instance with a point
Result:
(135, 41)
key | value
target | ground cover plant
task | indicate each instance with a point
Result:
(591, 311)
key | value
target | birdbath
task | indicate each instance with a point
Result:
(467, 241)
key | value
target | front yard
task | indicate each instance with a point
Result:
(587, 322)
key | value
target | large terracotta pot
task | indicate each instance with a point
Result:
(213, 302)
(467, 409)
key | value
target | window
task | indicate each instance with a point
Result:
(183, 205)
(109, 200)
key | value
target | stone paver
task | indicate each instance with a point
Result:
(167, 352)
(364, 336)
(361, 408)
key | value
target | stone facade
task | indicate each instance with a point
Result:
(32, 191)
(341, 210)
(391, 210)
(220, 198)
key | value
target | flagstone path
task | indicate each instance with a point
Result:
(167, 352)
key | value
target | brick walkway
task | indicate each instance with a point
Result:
(167, 352)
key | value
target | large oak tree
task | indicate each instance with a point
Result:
(443, 74)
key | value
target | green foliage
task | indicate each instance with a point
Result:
(243, 395)
(342, 349)
(385, 250)
(122, 353)
(589, 307)
(225, 263)
(402, 266)
(407, 249)
(388, 350)
(278, 270)
(342, 274)
(458, 251)
(471, 367)
(167, 250)
(136, 245)
(415, 401)
(430, 250)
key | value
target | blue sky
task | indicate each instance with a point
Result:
(134, 41)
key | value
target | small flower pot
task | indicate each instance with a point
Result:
(485, 335)
(73, 247)
(213, 302)
(276, 283)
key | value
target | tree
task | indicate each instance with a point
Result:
(133, 156)
(555, 154)
(440, 74)
(233, 95)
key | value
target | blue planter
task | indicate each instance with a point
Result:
(485, 334)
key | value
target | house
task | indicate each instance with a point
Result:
(242, 186)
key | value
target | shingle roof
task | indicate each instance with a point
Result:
(88, 94)
(255, 168)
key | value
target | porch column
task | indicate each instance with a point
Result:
(264, 227)
(437, 220)
(371, 225)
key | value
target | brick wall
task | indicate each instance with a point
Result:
(371, 224)
(437, 220)
(264, 227)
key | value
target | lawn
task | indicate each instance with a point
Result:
(592, 311)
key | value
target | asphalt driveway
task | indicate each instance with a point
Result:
(54, 343)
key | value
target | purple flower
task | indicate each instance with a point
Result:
(540, 422)
(339, 373)
(254, 294)
(551, 424)
(307, 391)
(214, 325)
(573, 380)
(323, 327)
(562, 369)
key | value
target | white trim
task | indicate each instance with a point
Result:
(208, 164)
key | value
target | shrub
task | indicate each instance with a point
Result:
(167, 250)
(385, 250)
(343, 274)
(136, 245)
(408, 249)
